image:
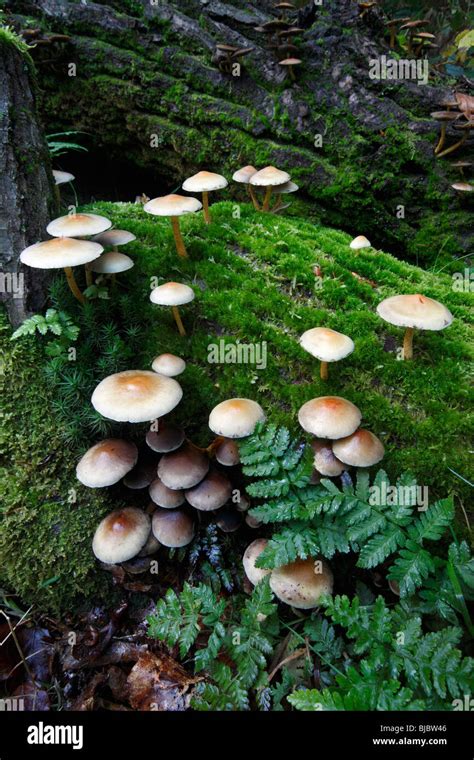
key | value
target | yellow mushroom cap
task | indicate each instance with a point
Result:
(121, 535)
(251, 554)
(60, 178)
(243, 175)
(106, 463)
(112, 262)
(59, 253)
(78, 225)
(329, 417)
(269, 176)
(173, 527)
(236, 417)
(114, 237)
(299, 585)
(169, 365)
(360, 242)
(172, 205)
(415, 311)
(136, 396)
(361, 449)
(326, 345)
(172, 294)
(211, 493)
(203, 182)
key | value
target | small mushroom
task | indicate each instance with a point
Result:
(169, 365)
(121, 535)
(393, 24)
(183, 469)
(269, 178)
(326, 345)
(461, 165)
(111, 263)
(463, 187)
(290, 63)
(61, 178)
(251, 554)
(141, 476)
(114, 238)
(168, 438)
(252, 522)
(174, 206)
(235, 418)
(228, 520)
(301, 584)
(227, 453)
(173, 294)
(361, 449)
(106, 463)
(325, 461)
(173, 527)
(136, 396)
(243, 176)
(444, 118)
(360, 242)
(62, 253)
(329, 417)
(211, 493)
(414, 311)
(205, 182)
(411, 29)
(279, 190)
(167, 498)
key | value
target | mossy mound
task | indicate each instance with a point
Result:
(257, 278)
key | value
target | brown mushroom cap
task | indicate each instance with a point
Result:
(141, 476)
(235, 418)
(270, 176)
(445, 115)
(228, 520)
(165, 497)
(184, 468)
(211, 493)
(151, 546)
(326, 345)
(169, 365)
(168, 438)
(227, 453)
(60, 178)
(121, 535)
(106, 463)
(136, 396)
(78, 225)
(172, 205)
(172, 527)
(298, 585)
(243, 175)
(204, 182)
(329, 417)
(325, 462)
(251, 554)
(415, 311)
(59, 253)
(172, 294)
(361, 449)
(112, 262)
(114, 238)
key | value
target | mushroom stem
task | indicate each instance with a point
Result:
(453, 147)
(89, 278)
(205, 207)
(71, 281)
(324, 371)
(255, 202)
(408, 343)
(178, 321)
(268, 195)
(213, 446)
(292, 73)
(392, 36)
(178, 238)
(277, 205)
(442, 139)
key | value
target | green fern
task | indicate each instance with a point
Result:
(56, 322)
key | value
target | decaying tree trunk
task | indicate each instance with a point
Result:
(26, 184)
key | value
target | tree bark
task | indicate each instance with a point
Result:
(26, 183)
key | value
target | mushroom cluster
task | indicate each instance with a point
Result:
(274, 181)
(280, 34)
(457, 113)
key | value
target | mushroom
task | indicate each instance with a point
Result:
(288, 187)
(414, 311)
(114, 238)
(62, 253)
(173, 294)
(269, 178)
(228, 520)
(169, 365)
(360, 242)
(205, 182)
(243, 176)
(60, 178)
(411, 27)
(183, 469)
(290, 64)
(79, 225)
(463, 187)
(251, 554)
(136, 396)
(252, 521)
(121, 535)
(326, 345)
(168, 438)
(443, 117)
(361, 449)
(300, 585)
(329, 417)
(173, 527)
(211, 493)
(174, 206)
(422, 41)
(235, 418)
(392, 25)
(141, 476)
(325, 461)
(461, 165)
(151, 546)
(227, 453)
(165, 497)
(106, 463)
(111, 263)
